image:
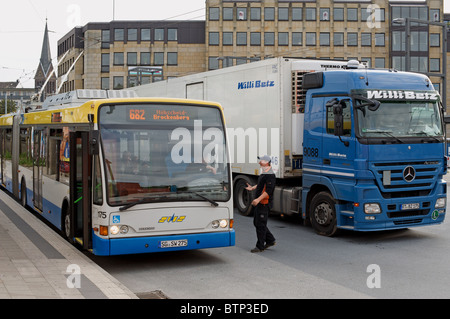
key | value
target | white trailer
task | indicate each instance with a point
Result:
(263, 104)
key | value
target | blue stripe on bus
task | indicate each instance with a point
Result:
(124, 246)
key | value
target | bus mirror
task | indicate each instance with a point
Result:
(94, 142)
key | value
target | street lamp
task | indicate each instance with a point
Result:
(443, 75)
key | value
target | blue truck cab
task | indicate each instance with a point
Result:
(374, 151)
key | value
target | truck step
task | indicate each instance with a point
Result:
(348, 212)
(347, 227)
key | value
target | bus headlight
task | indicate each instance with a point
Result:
(124, 229)
(223, 223)
(441, 202)
(114, 230)
(372, 208)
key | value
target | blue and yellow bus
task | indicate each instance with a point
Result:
(123, 175)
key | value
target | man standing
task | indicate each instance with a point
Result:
(263, 203)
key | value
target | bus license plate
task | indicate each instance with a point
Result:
(410, 206)
(173, 243)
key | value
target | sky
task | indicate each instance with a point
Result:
(22, 25)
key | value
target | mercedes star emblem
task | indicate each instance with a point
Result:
(409, 174)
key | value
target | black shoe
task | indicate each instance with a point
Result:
(256, 250)
(270, 245)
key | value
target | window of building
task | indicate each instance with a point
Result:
(269, 14)
(435, 40)
(379, 39)
(119, 35)
(214, 14)
(213, 63)
(398, 41)
(132, 58)
(118, 58)
(172, 34)
(255, 38)
(435, 15)
(269, 38)
(380, 63)
(310, 14)
(145, 58)
(324, 38)
(106, 38)
(310, 38)
(283, 14)
(213, 38)
(366, 39)
(352, 39)
(338, 14)
(118, 83)
(419, 64)
(105, 84)
(398, 63)
(159, 34)
(419, 41)
(297, 14)
(158, 58)
(338, 39)
(435, 65)
(255, 14)
(241, 14)
(283, 38)
(297, 38)
(324, 14)
(241, 38)
(146, 35)
(352, 14)
(227, 38)
(132, 34)
(172, 58)
(227, 14)
(105, 62)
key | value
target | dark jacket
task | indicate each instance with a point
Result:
(266, 181)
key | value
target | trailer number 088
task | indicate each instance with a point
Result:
(310, 152)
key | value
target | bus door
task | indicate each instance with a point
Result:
(38, 167)
(80, 189)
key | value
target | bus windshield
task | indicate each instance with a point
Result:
(156, 153)
(400, 119)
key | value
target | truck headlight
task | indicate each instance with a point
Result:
(372, 208)
(441, 202)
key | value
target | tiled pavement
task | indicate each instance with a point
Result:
(37, 263)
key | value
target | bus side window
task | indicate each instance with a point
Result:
(98, 194)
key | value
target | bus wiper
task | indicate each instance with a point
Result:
(142, 201)
(213, 203)
(388, 133)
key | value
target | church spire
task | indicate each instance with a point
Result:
(46, 58)
(44, 74)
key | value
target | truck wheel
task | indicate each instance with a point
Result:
(242, 197)
(323, 214)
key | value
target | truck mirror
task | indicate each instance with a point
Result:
(338, 120)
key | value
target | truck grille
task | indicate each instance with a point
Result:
(391, 179)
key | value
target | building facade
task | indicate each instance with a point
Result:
(237, 31)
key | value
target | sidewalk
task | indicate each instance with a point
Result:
(37, 263)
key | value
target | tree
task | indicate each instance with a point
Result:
(12, 106)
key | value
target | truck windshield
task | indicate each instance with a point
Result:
(399, 119)
(155, 153)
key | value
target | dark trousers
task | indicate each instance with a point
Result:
(261, 215)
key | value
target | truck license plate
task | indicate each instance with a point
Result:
(410, 206)
(173, 243)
